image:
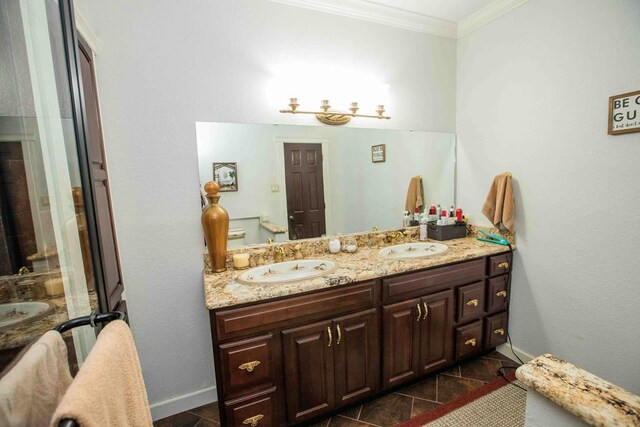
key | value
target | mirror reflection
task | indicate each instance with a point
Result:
(295, 182)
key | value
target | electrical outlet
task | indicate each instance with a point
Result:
(275, 188)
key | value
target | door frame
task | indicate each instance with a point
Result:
(326, 178)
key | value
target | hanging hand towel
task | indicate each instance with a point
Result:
(32, 389)
(415, 195)
(499, 205)
(109, 389)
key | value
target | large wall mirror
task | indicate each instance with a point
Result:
(290, 182)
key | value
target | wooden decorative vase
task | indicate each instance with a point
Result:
(215, 224)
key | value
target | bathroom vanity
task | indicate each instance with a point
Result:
(290, 353)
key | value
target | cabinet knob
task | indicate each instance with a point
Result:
(473, 302)
(253, 421)
(426, 310)
(339, 334)
(504, 265)
(330, 336)
(472, 342)
(249, 366)
(419, 312)
(501, 294)
(499, 331)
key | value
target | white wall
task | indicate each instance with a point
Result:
(163, 65)
(533, 88)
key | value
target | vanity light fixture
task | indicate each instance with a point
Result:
(329, 117)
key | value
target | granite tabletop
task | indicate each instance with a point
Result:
(222, 290)
(23, 334)
(596, 401)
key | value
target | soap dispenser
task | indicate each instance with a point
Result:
(215, 224)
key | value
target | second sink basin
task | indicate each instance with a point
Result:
(413, 250)
(286, 272)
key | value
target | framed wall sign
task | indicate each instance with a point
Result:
(226, 174)
(624, 113)
(378, 153)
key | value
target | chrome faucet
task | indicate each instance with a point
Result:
(23, 271)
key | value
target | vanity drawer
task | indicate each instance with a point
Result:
(247, 366)
(468, 339)
(499, 264)
(470, 301)
(257, 410)
(498, 293)
(290, 311)
(417, 284)
(495, 329)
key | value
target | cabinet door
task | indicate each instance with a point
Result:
(436, 331)
(356, 355)
(308, 367)
(401, 325)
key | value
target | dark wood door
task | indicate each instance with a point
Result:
(113, 286)
(436, 331)
(305, 190)
(401, 330)
(308, 368)
(356, 355)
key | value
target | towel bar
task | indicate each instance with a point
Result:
(92, 319)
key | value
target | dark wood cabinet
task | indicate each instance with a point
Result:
(308, 368)
(436, 346)
(294, 359)
(401, 332)
(356, 356)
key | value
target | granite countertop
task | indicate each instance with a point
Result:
(23, 334)
(596, 401)
(222, 290)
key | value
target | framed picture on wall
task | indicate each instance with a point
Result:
(378, 153)
(226, 175)
(624, 113)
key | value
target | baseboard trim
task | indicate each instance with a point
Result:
(183, 403)
(505, 350)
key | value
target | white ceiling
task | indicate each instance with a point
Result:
(444, 18)
(449, 10)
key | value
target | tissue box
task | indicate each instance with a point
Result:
(446, 232)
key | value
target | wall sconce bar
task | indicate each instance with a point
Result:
(334, 117)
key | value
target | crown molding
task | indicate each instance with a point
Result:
(380, 14)
(487, 14)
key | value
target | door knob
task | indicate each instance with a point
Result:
(291, 218)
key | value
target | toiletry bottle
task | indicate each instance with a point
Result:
(432, 214)
(459, 215)
(423, 227)
(416, 218)
(452, 212)
(406, 218)
(438, 212)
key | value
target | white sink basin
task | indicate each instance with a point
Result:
(12, 314)
(413, 250)
(286, 272)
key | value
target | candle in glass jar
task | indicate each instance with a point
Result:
(240, 260)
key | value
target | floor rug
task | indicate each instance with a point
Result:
(497, 404)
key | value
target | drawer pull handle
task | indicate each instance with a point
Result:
(472, 342)
(504, 265)
(249, 366)
(473, 302)
(419, 312)
(426, 310)
(501, 294)
(499, 331)
(339, 334)
(253, 421)
(330, 336)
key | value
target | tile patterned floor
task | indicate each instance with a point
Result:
(387, 410)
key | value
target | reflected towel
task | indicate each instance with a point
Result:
(109, 389)
(499, 205)
(32, 389)
(415, 195)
